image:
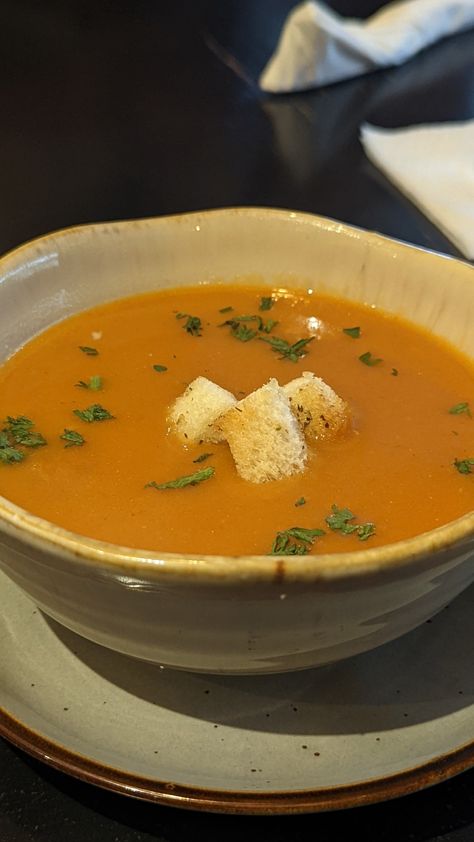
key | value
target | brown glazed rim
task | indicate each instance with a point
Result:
(236, 802)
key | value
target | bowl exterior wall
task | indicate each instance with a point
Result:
(237, 628)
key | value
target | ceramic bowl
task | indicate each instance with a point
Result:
(221, 614)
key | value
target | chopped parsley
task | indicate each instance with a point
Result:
(95, 383)
(394, 372)
(300, 501)
(369, 359)
(20, 429)
(226, 309)
(9, 454)
(72, 438)
(202, 457)
(241, 330)
(292, 352)
(91, 352)
(159, 367)
(95, 412)
(464, 466)
(339, 521)
(266, 303)
(18, 432)
(192, 324)
(295, 541)
(182, 482)
(353, 332)
(460, 408)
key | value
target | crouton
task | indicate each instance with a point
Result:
(320, 412)
(193, 413)
(264, 436)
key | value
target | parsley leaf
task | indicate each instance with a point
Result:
(339, 521)
(95, 383)
(268, 326)
(95, 412)
(72, 438)
(9, 454)
(182, 482)
(353, 332)
(300, 501)
(295, 541)
(159, 367)
(91, 352)
(459, 408)
(202, 457)
(464, 466)
(365, 530)
(226, 309)
(241, 331)
(20, 429)
(266, 303)
(292, 352)
(192, 324)
(368, 359)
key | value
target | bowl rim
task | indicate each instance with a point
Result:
(49, 538)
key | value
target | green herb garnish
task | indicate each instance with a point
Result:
(292, 352)
(226, 309)
(353, 332)
(243, 333)
(268, 326)
(192, 324)
(365, 530)
(464, 466)
(94, 384)
(72, 438)
(339, 521)
(95, 412)
(9, 454)
(266, 303)
(394, 372)
(182, 482)
(91, 352)
(300, 501)
(295, 541)
(460, 408)
(159, 367)
(240, 330)
(20, 429)
(368, 359)
(203, 457)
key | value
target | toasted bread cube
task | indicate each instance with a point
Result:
(193, 413)
(264, 436)
(320, 412)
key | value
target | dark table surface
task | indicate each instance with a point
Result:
(133, 108)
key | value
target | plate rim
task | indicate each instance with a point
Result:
(243, 802)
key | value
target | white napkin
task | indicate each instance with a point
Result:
(434, 166)
(318, 46)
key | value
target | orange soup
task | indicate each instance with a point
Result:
(97, 388)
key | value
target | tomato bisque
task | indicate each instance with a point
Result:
(86, 440)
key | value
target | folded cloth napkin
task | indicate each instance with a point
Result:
(434, 166)
(318, 47)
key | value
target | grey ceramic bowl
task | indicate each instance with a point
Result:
(221, 614)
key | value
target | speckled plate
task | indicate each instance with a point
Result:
(382, 724)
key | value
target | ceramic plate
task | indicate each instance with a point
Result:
(376, 726)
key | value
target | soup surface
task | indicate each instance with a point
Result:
(404, 466)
